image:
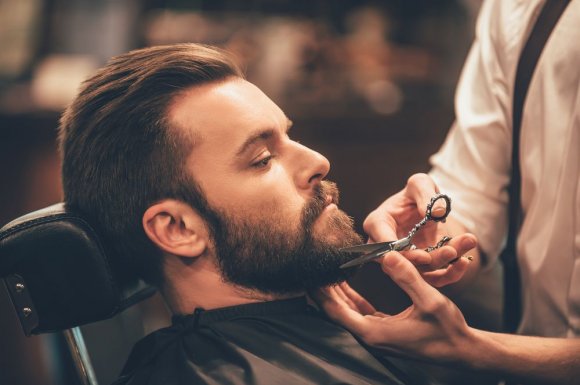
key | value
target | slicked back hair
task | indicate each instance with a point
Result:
(120, 153)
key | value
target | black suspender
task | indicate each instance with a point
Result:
(547, 19)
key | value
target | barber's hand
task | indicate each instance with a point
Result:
(432, 327)
(395, 217)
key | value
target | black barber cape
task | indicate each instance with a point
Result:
(280, 342)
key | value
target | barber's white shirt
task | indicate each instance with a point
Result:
(474, 165)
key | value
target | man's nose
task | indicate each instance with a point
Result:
(312, 167)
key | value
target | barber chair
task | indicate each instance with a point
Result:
(58, 277)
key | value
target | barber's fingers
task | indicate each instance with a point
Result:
(441, 257)
(353, 299)
(343, 297)
(419, 258)
(428, 261)
(380, 225)
(408, 278)
(421, 188)
(339, 310)
(451, 274)
(433, 260)
(362, 305)
(463, 243)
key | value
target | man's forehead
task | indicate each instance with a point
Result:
(225, 108)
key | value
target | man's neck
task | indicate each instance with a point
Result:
(201, 285)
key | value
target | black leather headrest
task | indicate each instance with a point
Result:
(57, 272)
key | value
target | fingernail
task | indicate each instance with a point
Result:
(468, 243)
(390, 261)
(438, 211)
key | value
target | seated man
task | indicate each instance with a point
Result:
(188, 171)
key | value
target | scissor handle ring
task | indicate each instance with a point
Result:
(442, 218)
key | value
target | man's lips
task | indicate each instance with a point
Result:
(328, 200)
(325, 199)
(329, 204)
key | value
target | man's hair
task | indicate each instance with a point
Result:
(120, 153)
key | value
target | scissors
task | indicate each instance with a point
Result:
(375, 250)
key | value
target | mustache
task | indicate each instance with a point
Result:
(318, 202)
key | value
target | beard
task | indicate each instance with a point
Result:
(264, 254)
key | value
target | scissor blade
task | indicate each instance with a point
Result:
(365, 248)
(366, 257)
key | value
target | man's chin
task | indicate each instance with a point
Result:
(275, 260)
(320, 267)
(335, 229)
(322, 224)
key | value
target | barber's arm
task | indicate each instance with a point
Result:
(434, 329)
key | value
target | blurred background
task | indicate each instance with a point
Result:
(367, 83)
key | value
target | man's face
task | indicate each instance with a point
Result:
(278, 227)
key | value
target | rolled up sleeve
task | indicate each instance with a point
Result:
(473, 165)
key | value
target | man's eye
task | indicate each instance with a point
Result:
(263, 162)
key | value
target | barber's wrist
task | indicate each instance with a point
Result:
(485, 351)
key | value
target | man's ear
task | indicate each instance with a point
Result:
(176, 228)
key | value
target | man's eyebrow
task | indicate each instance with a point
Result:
(258, 137)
